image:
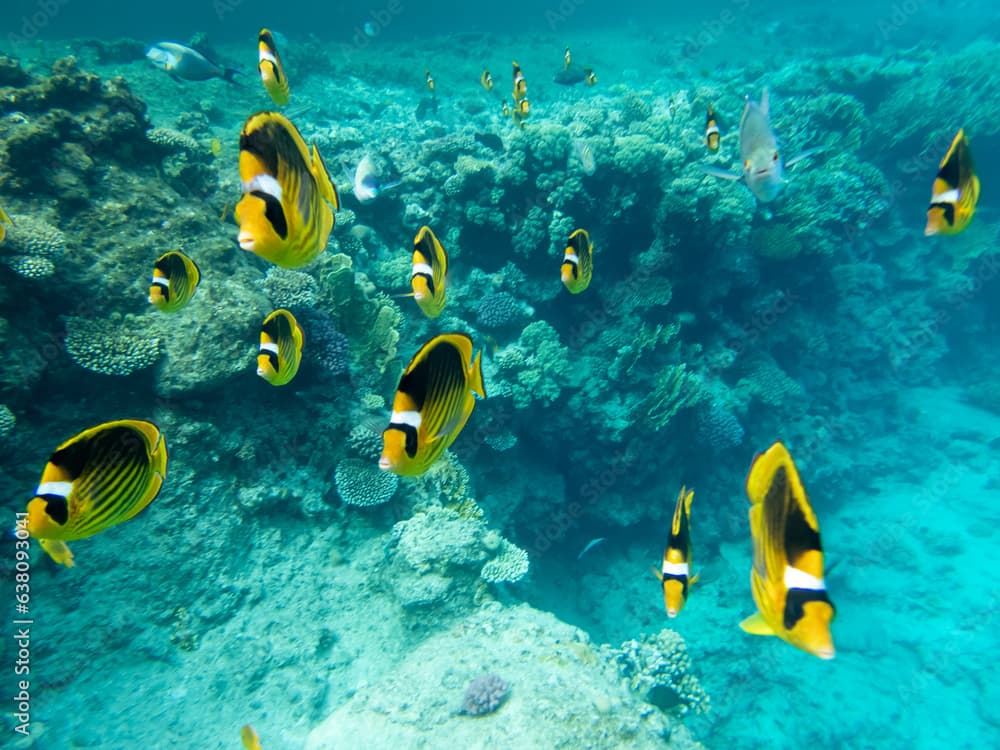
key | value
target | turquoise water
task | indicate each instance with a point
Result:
(280, 580)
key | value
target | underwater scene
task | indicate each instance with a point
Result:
(546, 375)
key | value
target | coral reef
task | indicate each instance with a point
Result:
(658, 669)
(114, 346)
(32, 247)
(363, 483)
(7, 421)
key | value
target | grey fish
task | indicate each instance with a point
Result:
(571, 75)
(184, 63)
(763, 169)
(490, 140)
(590, 545)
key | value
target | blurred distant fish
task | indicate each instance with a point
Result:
(763, 170)
(592, 543)
(371, 30)
(955, 191)
(491, 140)
(573, 74)
(98, 478)
(486, 80)
(281, 342)
(786, 578)
(711, 130)
(578, 262)
(5, 221)
(567, 58)
(505, 110)
(248, 736)
(365, 183)
(184, 63)
(430, 82)
(585, 157)
(675, 573)
(272, 72)
(175, 279)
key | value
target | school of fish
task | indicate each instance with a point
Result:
(109, 473)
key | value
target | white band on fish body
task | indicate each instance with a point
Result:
(948, 196)
(273, 348)
(675, 569)
(712, 131)
(409, 418)
(161, 281)
(61, 489)
(265, 55)
(263, 183)
(422, 268)
(571, 258)
(799, 579)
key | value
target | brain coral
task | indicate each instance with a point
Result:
(363, 483)
(484, 695)
(110, 347)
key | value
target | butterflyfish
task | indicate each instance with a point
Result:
(486, 80)
(955, 191)
(435, 397)
(505, 111)
(248, 735)
(589, 77)
(285, 213)
(98, 478)
(763, 167)
(520, 85)
(430, 269)
(711, 130)
(175, 280)
(787, 574)
(5, 221)
(578, 262)
(675, 572)
(272, 72)
(281, 342)
(186, 64)
(567, 58)
(430, 81)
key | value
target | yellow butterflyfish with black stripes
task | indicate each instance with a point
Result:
(95, 480)
(286, 212)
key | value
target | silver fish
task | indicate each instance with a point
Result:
(365, 182)
(184, 63)
(763, 169)
(584, 157)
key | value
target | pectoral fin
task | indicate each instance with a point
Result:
(693, 581)
(805, 155)
(58, 551)
(756, 625)
(722, 174)
(658, 574)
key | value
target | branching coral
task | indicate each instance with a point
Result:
(674, 389)
(658, 668)
(534, 368)
(32, 246)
